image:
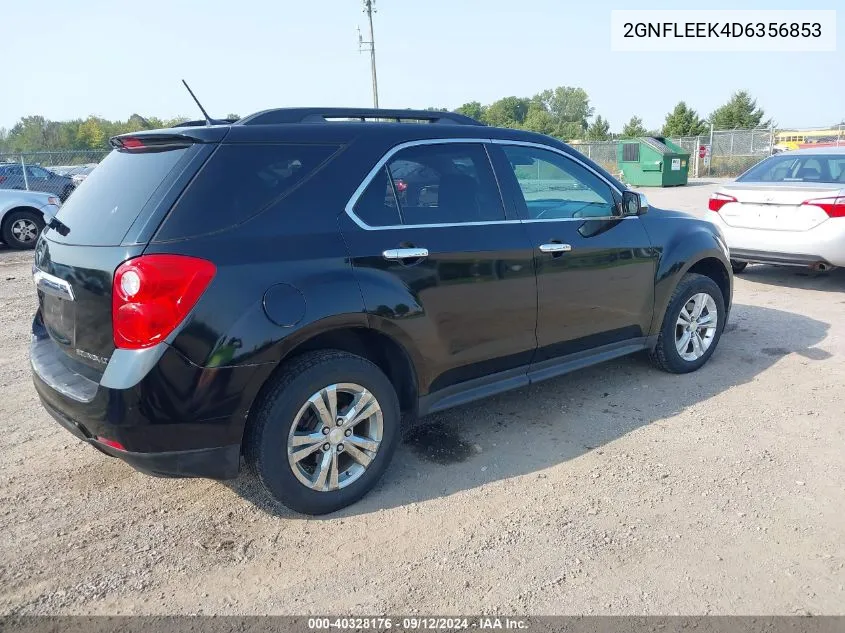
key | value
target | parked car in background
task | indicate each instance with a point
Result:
(286, 287)
(23, 215)
(36, 178)
(788, 209)
(80, 173)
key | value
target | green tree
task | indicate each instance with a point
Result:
(567, 104)
(739, 112)
(507, 112)
(91, 134)
(539, 119)
(634, 128)
(473, 109)
(598, 130)
(683, 121)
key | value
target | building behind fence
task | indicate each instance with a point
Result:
(730, 153)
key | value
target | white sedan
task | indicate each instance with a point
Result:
(788, 209)
(23, 215)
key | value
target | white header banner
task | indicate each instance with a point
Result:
(723, 30)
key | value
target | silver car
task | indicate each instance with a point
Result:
(788, 209)
(23, 215)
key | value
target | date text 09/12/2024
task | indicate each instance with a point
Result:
(418, 623)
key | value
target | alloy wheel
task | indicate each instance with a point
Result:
(335, 437)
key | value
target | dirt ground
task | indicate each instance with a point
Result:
(616, 490)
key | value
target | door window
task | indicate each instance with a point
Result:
(449, 183)
(38, 173)
(555, 187)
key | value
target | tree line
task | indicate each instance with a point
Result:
(563, 112)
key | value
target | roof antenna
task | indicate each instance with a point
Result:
(208, 119)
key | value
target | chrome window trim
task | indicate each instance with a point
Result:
(350, 206)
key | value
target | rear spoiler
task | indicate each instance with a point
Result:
(170, 138)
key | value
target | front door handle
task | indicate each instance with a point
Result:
(405, 253)
(555, 247)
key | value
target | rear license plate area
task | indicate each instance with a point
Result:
(59, 318)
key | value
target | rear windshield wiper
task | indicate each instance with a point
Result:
(57, 225)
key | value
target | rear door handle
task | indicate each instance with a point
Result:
(405, 253)
(555, 248)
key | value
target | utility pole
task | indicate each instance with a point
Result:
(369, 9)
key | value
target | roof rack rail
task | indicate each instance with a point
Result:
(204, 122)
(325, 115)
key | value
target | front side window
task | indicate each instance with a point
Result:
(555, 187)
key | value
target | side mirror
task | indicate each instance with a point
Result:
(634, 203)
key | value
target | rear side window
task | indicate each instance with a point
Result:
(448, 183)
(377, 205)
(238, 182)
(103, 208)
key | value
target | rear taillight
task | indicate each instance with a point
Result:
(718, 200)
(112, 443)
(152, 294)
(833, 206)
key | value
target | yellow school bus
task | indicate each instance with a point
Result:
(796, 139)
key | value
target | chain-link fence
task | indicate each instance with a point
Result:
(727, 153)
(57, 172)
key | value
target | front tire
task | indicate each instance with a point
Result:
(22, 228)
(692, 326)
(324, 433)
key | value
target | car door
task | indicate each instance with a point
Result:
(595, 267)
(439, 264)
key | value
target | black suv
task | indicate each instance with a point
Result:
(284, 288)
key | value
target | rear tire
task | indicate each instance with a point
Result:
(286, 443)
(22, 228)
(687, 340)
(738, 267)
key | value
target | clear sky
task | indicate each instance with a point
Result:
(66, 59)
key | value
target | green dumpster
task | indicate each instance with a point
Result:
(653, 161)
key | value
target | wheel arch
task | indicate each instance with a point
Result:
(4, 216)
(352, 335)
(699, 252)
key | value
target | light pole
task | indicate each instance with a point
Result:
(369, 9)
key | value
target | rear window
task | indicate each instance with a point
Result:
(819, 168)
(238, 182)
(102, 209)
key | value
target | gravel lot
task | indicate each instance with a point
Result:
(616, 490)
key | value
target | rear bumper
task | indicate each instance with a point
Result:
(823, 244)
(781, 259)
(177, 419)
(214, 463)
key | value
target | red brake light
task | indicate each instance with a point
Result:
(834, 207)
(131, 143)
(108, 442)
(718, 200)
(152, 294)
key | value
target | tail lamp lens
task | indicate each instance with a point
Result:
(718, 200)
(153, 294)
